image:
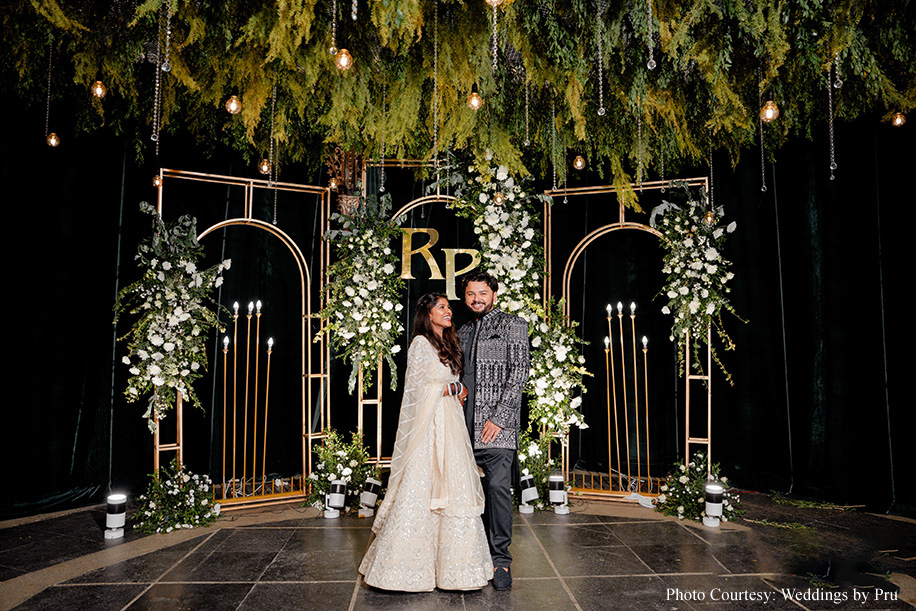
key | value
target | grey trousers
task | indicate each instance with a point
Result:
(497, 489)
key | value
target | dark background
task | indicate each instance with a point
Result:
(818, 407)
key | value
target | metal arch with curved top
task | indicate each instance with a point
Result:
(585, 242)
(420, 201)
(307, 374)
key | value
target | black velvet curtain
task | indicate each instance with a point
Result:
(818, 407)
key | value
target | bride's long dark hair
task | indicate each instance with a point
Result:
(448, 347)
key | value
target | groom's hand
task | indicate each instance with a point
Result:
(489, 432)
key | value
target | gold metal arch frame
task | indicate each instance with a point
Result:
(310, 370)
(571, 261)
(362, 401)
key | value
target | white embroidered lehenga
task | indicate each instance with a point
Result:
(428, 529)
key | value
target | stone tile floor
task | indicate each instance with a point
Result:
(601, 556)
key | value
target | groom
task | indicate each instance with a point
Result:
(495, 346)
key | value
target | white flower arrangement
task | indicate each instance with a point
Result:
(167, 351)
(337, 460)
(511, 249)
(697, 273)
(175, 499)
(683, 493)
(363, 295)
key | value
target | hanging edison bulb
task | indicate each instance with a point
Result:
(332, 184)
(233, 105)
(710, 218)
(769, 112)
(494, 3)
(98, 89)
(344, 60)
(264, 167)
(499, 199)
(474, 100)
(898, 119)
(52, 140)
(157, 181)
(579, 162)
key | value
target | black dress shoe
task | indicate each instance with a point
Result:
(502, 578)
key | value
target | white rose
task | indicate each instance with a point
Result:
(731, 226)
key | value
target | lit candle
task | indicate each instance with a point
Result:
(645, 342)
(226, 342)
(607, 342)
(235, 306)
(610, 310)
(250, 308)
(619, 308)
(270, 344)
(632, 308)
(259, 306)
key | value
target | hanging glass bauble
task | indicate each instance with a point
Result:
(233, 105)
(769, 112)
(344, 60)
(98, 89)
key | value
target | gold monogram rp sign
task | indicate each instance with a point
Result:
(408, 251)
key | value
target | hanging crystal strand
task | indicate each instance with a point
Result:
(494, 41)
(353, 8)
(272, 179)
(553, 141)
(436, 89)
(711, 176)
(48, 107)
(527, 139)
(166, 66)
(333, 48)
(565, 173)
(651, 63)
(833, 165)
(837, 83)
(763, 169)
(661, 163)
(381, 188)
(639, 166)
(601, 109)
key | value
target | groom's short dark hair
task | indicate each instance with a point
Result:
(479, 276)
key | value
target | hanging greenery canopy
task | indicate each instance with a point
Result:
(715, 61)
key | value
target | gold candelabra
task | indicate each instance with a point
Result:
(233, 488)
(612, 390)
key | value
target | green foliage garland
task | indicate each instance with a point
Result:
(714, 59)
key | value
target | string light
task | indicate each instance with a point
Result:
(769, 112)
(233, 105)
(474, 100)
(527, 139)
(98, 89)
(344, 60)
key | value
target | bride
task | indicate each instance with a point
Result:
(428, 529)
